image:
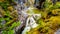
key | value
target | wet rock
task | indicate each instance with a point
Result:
(57, 32)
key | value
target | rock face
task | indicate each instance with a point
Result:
(57, 32)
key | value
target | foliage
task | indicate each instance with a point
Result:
(49, 21)
(9, 17)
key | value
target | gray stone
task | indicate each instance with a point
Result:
(57, 32)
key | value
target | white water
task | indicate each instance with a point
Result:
(30, 23)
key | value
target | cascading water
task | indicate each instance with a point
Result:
(22, 7)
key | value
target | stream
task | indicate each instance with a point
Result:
(27, 22)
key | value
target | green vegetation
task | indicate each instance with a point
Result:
(50, 19)
(48, 23)
(8, 17)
